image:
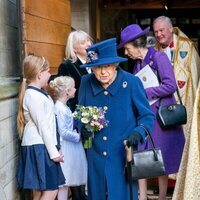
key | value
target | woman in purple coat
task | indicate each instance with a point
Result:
(124, 96)
(170, 140)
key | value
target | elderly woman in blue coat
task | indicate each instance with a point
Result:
(170, 140)
(125, 98)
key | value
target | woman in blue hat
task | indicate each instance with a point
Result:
(161, 92)
(124, 96)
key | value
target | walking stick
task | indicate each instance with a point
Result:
(129, 170)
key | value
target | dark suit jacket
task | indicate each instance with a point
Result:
(67, 68)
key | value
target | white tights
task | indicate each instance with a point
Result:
(63, 193)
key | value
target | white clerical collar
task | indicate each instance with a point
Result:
(167, 51)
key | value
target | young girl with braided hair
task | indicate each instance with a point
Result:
(75, 164)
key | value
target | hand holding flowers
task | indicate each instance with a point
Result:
(92, 118)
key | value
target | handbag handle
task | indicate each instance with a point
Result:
(151, 63)
(179, 97)
(151, 141)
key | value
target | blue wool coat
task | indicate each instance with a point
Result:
(127, 108)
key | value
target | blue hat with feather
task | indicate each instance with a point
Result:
(103, 53)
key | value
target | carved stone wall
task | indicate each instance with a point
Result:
(80, 15)
(10, 71)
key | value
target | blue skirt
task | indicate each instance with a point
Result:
(36, 170)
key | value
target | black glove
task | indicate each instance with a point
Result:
(85, 134)
(134, 139)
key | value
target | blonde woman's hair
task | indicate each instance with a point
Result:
(32, 65)
(74, 38)
(59, 84)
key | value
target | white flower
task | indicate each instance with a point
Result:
(84, 114)
(84, 120)
(75, 113)
(95, 117)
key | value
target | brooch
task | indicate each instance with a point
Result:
(92, 56)
(124, 84)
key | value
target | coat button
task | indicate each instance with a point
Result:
(106, 93)
(105, 153)
(104, 138)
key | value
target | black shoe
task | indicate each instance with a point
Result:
(82, 193)
(78, 193)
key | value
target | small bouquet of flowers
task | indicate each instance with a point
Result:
(92, 118)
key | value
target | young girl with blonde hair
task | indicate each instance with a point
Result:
(39, 159)
(75, 164)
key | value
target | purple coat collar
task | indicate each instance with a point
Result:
(149, 59)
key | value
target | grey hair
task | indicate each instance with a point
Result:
(163, 18)
(140, 42)
(74, 38)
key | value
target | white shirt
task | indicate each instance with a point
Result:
(87, 68)
(40, 124)
(171, 51)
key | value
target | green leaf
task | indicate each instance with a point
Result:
(88, 143)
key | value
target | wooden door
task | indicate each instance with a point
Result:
(45, 27)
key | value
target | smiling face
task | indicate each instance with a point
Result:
(163, 32)
(105, 74)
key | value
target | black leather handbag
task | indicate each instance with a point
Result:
(145, 164)
(172, 115)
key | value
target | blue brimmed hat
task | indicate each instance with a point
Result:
(103, 53)
(131, 33)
